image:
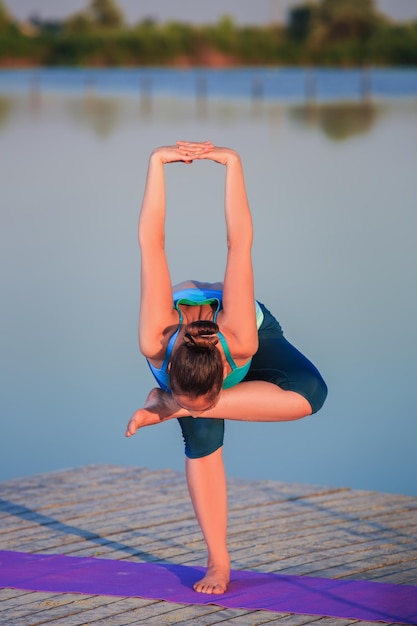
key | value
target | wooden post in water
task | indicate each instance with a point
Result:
(89, 89)
(365, 85)
(35, 93)
(257, 94)
(257, 88)
(146, 95)
(201, 95)
(310, 87)
(310, 93)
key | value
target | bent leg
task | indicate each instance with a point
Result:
(281, 384)
(260, 401)
(278, 362)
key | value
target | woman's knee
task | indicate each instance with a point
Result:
(315, 391)
(304, 377)
(202, 435)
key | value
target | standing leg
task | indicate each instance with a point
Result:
(206, 481)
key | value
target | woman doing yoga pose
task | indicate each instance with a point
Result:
(215, 351)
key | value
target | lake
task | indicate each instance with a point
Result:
(331, 166)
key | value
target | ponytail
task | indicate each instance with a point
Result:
(197, 365)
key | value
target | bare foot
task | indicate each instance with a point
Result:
(215, 580)
(159, 406)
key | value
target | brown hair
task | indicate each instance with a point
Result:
(197, 365)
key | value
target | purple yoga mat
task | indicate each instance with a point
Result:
(352, 599)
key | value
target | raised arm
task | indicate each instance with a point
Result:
(156, 314)
(238, 318)
(239, 315)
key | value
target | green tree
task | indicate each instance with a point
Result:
(335, 32)
(106, 13)
(223, 34)
(6, 22)
(301, 21)
(348, 19)
(79, 24)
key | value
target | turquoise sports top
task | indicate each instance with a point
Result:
(197, 297)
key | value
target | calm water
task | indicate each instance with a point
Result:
(333, 188)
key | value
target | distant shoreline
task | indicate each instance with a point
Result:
(212, 59)
(216, 61)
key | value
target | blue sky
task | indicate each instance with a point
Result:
(243, 11)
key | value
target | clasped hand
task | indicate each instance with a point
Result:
(188, 151)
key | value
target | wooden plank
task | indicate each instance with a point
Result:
(71, 610)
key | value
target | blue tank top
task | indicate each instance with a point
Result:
(197, 297)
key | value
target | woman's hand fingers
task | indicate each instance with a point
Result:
(205, 150)
(195, 144)
(193, 149)
(171, 154)
(188, 151)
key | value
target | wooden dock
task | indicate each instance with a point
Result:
(137, 514)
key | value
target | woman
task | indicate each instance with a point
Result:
(216, 353)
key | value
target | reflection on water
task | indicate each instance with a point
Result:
(335, 261)
(6, 109)
(102, 115)
(338, 121)
(105, 115)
